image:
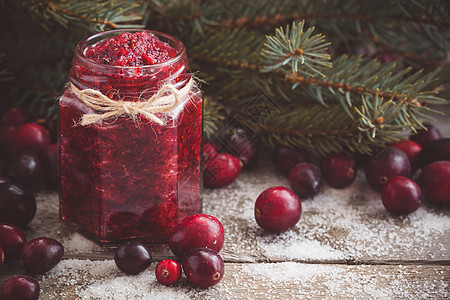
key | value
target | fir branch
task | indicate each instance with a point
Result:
(297, 49)
(92, 15)
(213, 117)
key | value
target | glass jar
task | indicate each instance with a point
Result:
(124, 178)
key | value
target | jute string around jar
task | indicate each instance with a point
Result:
(165, 101)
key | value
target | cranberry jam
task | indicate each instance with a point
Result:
(123, 178)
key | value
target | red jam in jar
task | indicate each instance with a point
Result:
(129, 177)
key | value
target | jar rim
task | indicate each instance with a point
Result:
(83, 44)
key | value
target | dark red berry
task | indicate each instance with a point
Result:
(435, 151)
(32, 137)
(17, 204)
(20, 288)
(244, 147)
(12, 240)
(209, 151)
(203, 267)
(277, 209)
(40, 255)
(27, 170)
(387, 163)
(2, 257)
(51, 125)
(221, 170)
(412, 151)
(286, 158)
(132, 257)
(50, 161)
(435, 182)
(196, 231)
(424, 136)
(168, 272)
(305, 180)
(401, 195)
(339, 170)
(15, 116)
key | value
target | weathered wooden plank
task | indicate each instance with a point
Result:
(83, 279)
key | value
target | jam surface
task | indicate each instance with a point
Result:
(130, 50)
(123, 179)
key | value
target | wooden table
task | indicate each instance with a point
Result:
(344, 246)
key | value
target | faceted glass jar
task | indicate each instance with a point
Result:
(123, 179)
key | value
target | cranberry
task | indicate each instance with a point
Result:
(424, 136)
(2, 257)
(387, 163)
(17, 204)
(168, 272)
(209, 151)
(40, 255)
(339, 170)
(286, 158)
(32, 137)
(277, 209)
(20, 287)
(435, 181)
(401, 195)
(435, 151)
(196, 231)
(132, 257)
(222, 170)
(305, 180)
(15, 116)
(412, 151)
(203, 267)
(12, 240)
(27, 169)
(244, 147)
(51, 167)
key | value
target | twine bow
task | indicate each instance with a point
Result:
(164, 101)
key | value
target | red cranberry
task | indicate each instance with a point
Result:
(209, 151)
(435, 182)
(286, 158)
(339, 170)
(277, 209)
(168, 272)
(20, 288)
(222, 170)
(401, 195)
(15, 116)
(412, 151)
(132, 257)
(387, 163)
(244, 147)
(305, 180)
(196, 231)
(12, 240)
(32, 137)
(424, 136)
(203, 267)
(40, 255)
(435, 151)
(17, 204)
(27, 169)
(51, 167)
(2, 257)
